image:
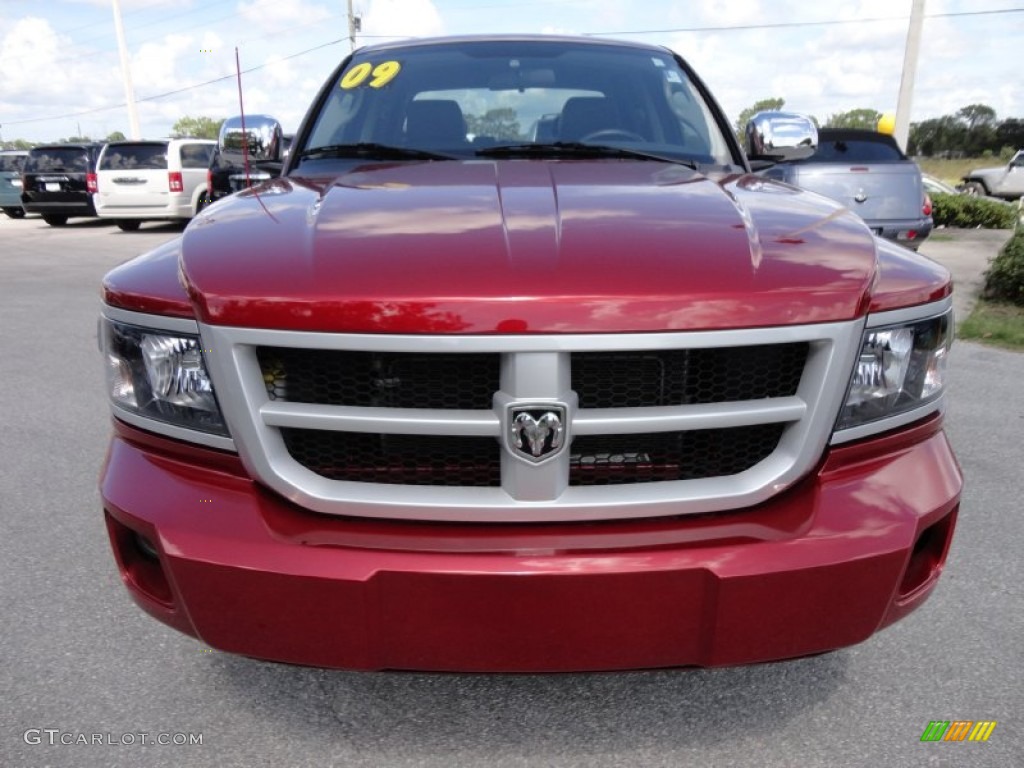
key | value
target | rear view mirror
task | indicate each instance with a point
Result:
(781, 136)
(262, 136)
(517, 79)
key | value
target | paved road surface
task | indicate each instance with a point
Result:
(77, 656)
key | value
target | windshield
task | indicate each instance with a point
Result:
(119, 157)
(843, 148)
(12, 163)
(58, 159)
(457, 98)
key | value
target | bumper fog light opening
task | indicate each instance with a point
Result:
(140, 564)
(928, 556)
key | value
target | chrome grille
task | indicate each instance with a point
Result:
(400, 459)
(389, 380)
(416, 427)
(664, 456)
(681, 376)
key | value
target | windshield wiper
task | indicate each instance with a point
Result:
(578, 149)
(373, 150)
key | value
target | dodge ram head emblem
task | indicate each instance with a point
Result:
(536, 432)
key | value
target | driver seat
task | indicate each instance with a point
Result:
(435, 124)
(583, 115)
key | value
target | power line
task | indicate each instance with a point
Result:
(158, 96)
(777, 25)
(796, 24)
(136, 43)
(135, 12)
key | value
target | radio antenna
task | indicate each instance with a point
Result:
(241, 111)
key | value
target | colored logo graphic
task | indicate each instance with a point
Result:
(958, 730)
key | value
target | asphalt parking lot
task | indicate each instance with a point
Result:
(77, 657)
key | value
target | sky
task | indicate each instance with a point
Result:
(60, 72)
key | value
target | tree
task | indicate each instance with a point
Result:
(977, 115)
(1010, 132)
(17, 144)
(944, 135)
(865, 119)
(758, 106)
(500, 124)
(116, 136)
(196, 127)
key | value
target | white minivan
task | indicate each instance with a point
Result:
(150, 180)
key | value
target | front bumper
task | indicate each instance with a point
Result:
(850, 549)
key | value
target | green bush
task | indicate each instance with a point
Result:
(1005, 277)
(968, 212)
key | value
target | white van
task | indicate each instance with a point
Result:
(146, 180)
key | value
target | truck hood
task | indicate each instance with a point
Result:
(991, 171)
(525, 246)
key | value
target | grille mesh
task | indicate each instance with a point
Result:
(469, 381)
(659, 456)
(396, 459)
(386, 380)
(687, 376)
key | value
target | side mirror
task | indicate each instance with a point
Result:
(262, 136)
(781, 136)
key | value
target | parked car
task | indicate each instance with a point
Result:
(12, 162)
(59, 181)
(1005, 182)
(936, 186)
(433, 401)
(152, 180)
(227, 173)
(868, 173)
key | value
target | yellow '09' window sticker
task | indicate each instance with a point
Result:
(373, 75)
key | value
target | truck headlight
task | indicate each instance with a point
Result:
(900, 368)
(160, 375)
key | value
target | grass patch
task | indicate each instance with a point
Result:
(951, 171)
(940, 237)
(996, 323)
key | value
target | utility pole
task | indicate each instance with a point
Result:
(126, 73)
(354, 25)
(902, 132)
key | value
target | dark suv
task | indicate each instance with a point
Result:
(60, 181)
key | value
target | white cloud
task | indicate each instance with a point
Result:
(131, 5)
(817, 69)
(42, 73)
(401, 18)
(279, 73)
(731, 12)
(155, 65)
(272, 15)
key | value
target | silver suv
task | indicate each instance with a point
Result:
(1006, 181)
(147, 180)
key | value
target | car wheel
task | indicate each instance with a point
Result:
(55, 221)
(15, 213)
(975, 188)
(128, 226)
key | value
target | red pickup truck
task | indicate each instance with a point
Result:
(517, 366)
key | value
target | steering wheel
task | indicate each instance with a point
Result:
(612, 133)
